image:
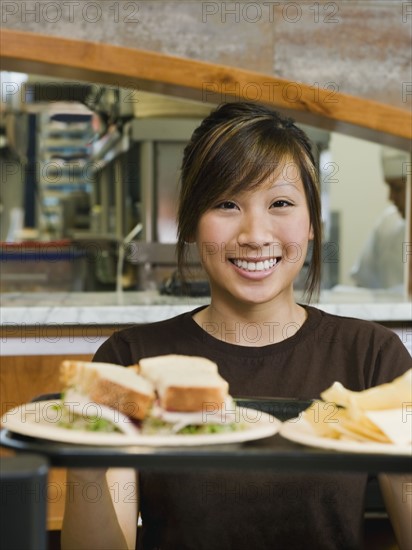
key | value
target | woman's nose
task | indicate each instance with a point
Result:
(255, 231)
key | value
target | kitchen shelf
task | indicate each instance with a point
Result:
(64, 151)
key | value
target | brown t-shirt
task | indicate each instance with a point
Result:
(234, 509)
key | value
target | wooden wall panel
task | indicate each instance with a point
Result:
(21, 379)
(163, 73)
(363, 47)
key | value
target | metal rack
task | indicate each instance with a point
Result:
(64, 180)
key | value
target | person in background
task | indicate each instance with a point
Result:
(249, 199)
(380, 264)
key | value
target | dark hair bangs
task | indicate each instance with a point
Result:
(249, 160)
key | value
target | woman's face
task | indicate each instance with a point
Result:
(253, 245)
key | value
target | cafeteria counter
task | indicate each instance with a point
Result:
(103, 308)
(82, 320)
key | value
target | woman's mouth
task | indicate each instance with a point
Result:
(258, 265)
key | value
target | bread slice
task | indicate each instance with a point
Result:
(192, 392)
(111, 385)
(185, 383)
(155, 368)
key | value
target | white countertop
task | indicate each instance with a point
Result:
(109, 308)
(24, 316)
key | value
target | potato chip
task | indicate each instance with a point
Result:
(385, 396)
(323, 418)
(362, 431)
(382, 414)
(395, 423)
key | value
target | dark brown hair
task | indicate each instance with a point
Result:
(238, 147)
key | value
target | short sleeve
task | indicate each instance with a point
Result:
(114, 350)
(393, 361)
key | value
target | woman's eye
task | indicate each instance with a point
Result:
(281, 203)
(227, 205)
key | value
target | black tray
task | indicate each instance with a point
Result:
(274, 452)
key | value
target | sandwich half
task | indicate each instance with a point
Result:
(185, 383)
(110, 385)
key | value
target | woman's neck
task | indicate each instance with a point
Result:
(259, 325)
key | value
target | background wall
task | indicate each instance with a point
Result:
(358, 192)
(358, 47)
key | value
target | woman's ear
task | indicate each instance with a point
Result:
(311, 233)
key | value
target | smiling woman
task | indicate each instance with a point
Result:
(250, 175)
(249, 197)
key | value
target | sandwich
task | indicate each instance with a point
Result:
(159, 395)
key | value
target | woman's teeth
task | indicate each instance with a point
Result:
(255, 266)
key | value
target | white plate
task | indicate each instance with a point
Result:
(300, 431)
(39, 420)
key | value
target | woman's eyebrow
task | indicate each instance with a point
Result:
(284, 184)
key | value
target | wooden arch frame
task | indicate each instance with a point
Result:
(187, 78)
